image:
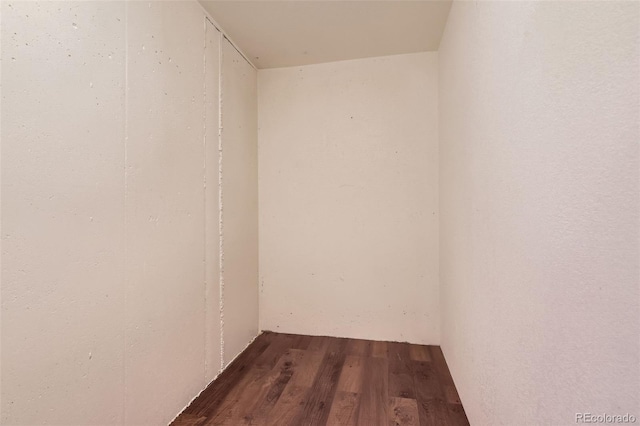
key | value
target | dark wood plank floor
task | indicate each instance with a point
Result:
(286, 379)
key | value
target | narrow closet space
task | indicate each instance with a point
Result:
(319, 212)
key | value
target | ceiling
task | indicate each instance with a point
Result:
(299, 32)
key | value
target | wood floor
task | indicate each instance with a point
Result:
(285, 379)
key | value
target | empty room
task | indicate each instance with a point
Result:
(319, 212)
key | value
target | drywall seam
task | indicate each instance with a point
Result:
(204, 199)
(438, 195)
(1, 203)
(224, 34)
(124, 202)
(220, 207)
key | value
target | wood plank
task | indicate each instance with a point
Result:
(440, 365)
(379, 349)
(454, 405)
(305, 375)
(344, 410)
(433, 412)
(457, 416)
(451, 394)
(189, 420)
(359, 347)
(279, 345)
(403, 412)
(252, 403)
(297, 341)
(234, 407)
(288, 407)
(400, 373)
(301, 342)
(273, 386)
(419, 353)
(293, 399)
(352, 374)
(337, 344)
(374, 399)
(210, 399)
(432, 408)
(319, 344)
(317, 406)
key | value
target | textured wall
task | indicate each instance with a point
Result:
(165, 319)
(348, 172)
(63, 127)
(110, 210)
(239, 202)
(539, 240)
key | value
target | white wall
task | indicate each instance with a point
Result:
(239, 201)
(63, 239)
(110, 214)
(539, 131)
(348, 171)
(164, 216)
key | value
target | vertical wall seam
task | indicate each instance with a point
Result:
(204, 207)
(125, 206)
(220, 198)
(1, 239)
(438, 264)
(259, 277)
